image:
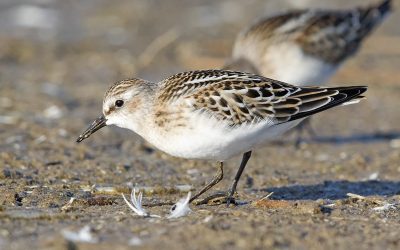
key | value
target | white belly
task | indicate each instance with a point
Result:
(209, 140)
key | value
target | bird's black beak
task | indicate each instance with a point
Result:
(96, 125)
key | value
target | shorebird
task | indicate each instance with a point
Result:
(214, 114)
(306, 46)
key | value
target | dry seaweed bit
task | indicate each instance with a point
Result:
(136, 205)
(181, 208)
(267, 196)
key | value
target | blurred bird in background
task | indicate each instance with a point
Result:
(304, 47)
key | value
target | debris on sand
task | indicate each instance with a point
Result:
(395, 143)
(135, 241)
(110, 190)
(356, 196)
(83, 235)
(9, 120)
(53, 113)
(374, 176)
(67, 207)
(384, 207)
(272, 204)
(265, 202)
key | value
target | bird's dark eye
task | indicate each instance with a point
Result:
(119, 103)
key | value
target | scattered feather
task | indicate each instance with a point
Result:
(181, 208)
(83, 235)
(136, 205)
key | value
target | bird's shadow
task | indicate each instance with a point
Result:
(335, 190)
(357, 138)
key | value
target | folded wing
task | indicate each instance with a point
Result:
(248, 99)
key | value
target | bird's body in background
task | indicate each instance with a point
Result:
(304, 47)
(214, 114)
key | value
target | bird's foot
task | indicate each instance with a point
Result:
(217, 198)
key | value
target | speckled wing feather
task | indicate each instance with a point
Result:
(242, 98)
(330, 35)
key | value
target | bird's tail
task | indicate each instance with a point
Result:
(315, 100)
(373, 15)
(383, 8)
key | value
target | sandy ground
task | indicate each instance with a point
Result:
(57, 59)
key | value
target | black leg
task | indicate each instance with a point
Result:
(217, 178)
(231, 192)
(304, 126)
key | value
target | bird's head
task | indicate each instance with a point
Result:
(124, 105)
